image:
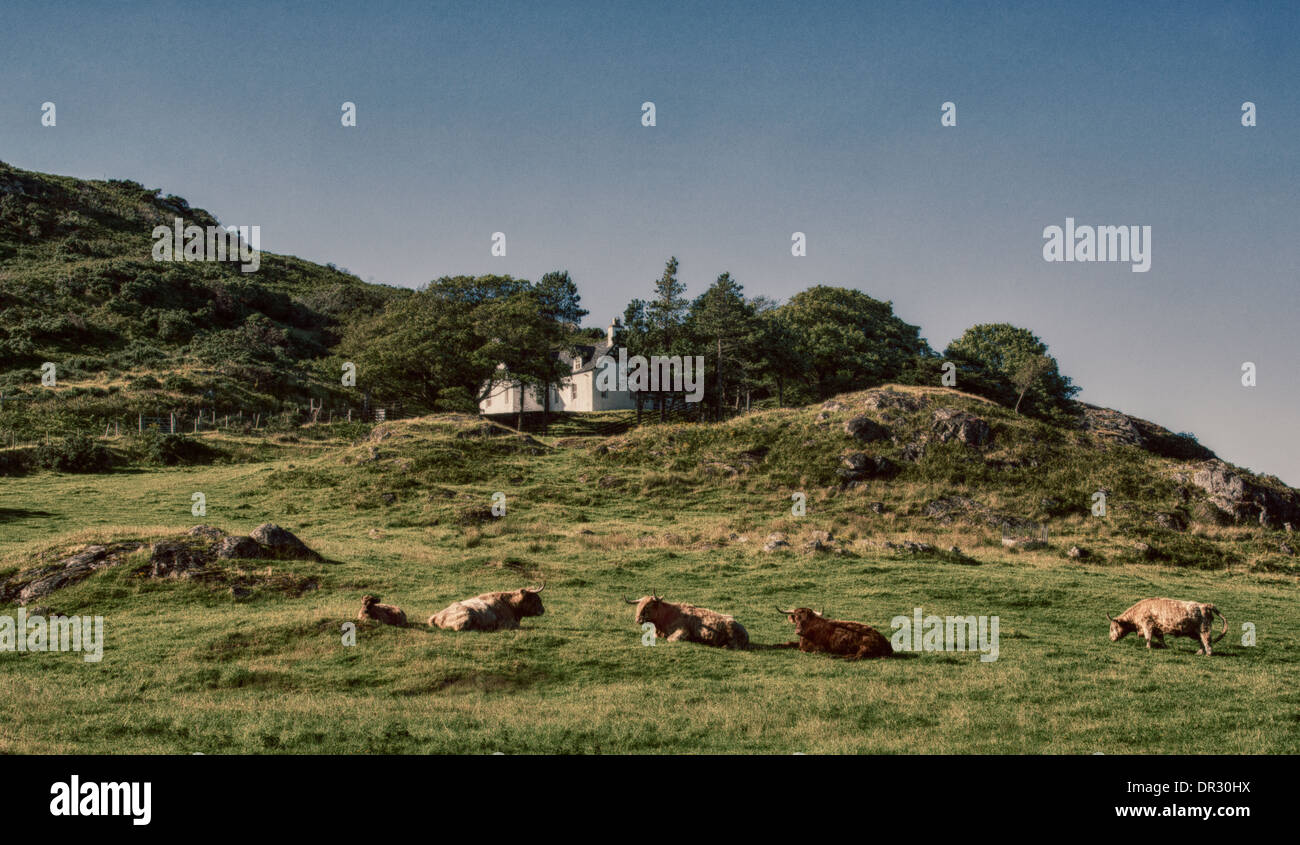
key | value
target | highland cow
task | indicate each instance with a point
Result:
(1154, 618)
(490, 611)
(386, 613)
(852, 640)
(684, 622)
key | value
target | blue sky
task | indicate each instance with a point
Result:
(772, 118)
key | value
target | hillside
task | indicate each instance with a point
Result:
(79, 287)
(245, 655)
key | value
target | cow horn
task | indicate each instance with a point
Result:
(1108, 619)
(539, 589)
(630, 601)
(785, 612)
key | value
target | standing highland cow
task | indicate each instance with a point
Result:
(490, 611)
(853, 640)
(1153, 618)
(692, 624)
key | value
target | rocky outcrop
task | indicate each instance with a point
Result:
(38, 582)
(1243, 499)
(1114, 427)
(950, 423)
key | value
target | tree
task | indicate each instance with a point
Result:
(1011, 366)
(722, 322)
(665, 316)
(437, 346)
(845, 340)
(560, 309)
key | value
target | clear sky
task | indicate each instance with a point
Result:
(525, 118)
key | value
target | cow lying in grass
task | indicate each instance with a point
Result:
(1154, 618)
(490, 611)
(386, 613)
(853, 640)
(685, 622)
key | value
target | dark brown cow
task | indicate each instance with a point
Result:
(490, 611)
(385, 613)
(852, 640)
(690, 623)
(1153, 618)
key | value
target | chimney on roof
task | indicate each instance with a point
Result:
(614, 326)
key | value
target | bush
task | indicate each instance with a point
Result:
(77, 453)
(154, 447)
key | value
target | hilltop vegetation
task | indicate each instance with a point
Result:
(79, 287)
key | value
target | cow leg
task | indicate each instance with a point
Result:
(1205, 643)
(806, 647)
(1158, 637)
(677, 635)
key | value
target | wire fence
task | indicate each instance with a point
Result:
(205, 420)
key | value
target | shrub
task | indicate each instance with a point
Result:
(76, 453)
(154, 447)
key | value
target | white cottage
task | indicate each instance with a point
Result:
(577, 392)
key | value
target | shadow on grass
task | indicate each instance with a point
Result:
(11, 514)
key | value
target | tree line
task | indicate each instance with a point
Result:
(454, 341)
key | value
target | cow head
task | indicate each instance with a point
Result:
(648, 608)
(1119, 628)
(800, 617)
(369, 601)
(526, 601)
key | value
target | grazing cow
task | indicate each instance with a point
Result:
(853, 640)
(490, 611)
(386, 613)
(1153, 618)
(693, 624)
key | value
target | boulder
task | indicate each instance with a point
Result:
(820, 541)
(177, 559)
(950, 423)
(282, 544)
(882, 399)
(859, 466)
(775, 541)
(866, 429)
(239, 548)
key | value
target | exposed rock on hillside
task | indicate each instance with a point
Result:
(950, 423)
(1244, 499)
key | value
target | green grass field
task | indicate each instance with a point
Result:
(188, 667)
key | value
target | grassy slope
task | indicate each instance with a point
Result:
(190, 668)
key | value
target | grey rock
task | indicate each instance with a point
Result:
(282, 544)
(950, 423)
(866, 429)
(239, 548)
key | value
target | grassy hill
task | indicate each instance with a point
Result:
(79, 287)
(250, 658)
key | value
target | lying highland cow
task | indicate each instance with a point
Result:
(692, 624)
(853, 640)
(490, 611)
(385, 613)
(1153, 618)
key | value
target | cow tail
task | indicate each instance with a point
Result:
(1224, 632)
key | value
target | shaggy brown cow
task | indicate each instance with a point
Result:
(386, 613)
(490, 611)
(692, 624)
(1153, 618)
(853, 640)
